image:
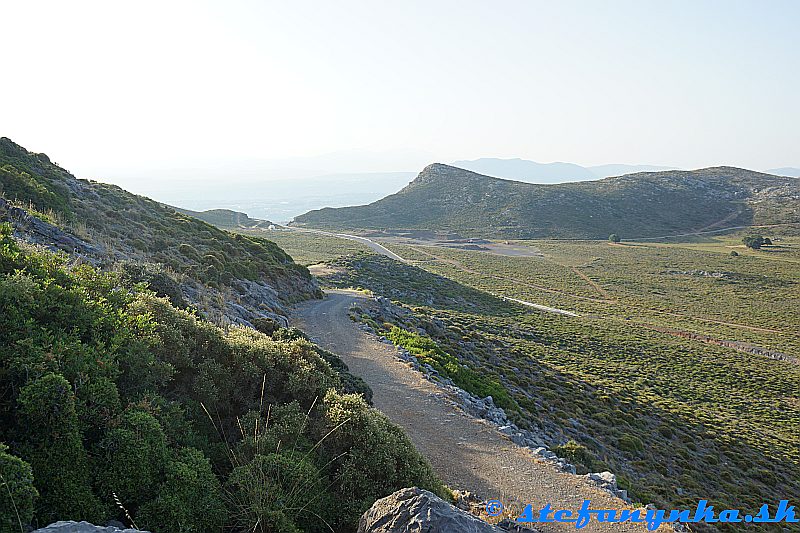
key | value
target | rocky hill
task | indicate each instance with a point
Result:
(225, 218)
(645, 204)
(229, 277)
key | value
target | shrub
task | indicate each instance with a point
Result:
(375, 457)
(576, 454)
(666, 431)
(133, 457)
(265, 325)
(428, 352)
(89, 362)
(630, 443)
(281, 427)
(614, 238)
(54, 449)
(98, 403)
(276, 493)
(156, 277)
(190, 500)
(189, 251)
(753, 241)
(17, 493)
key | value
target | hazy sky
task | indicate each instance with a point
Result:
(112, 86)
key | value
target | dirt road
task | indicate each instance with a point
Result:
(372, 245)
(466, 453)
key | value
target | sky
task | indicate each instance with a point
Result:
(161, 88)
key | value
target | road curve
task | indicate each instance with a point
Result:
(374, 246)
(466, 453)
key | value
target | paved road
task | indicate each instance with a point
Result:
(466, 453)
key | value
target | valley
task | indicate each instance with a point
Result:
(678, 345)
(670, 361)
(400, 267)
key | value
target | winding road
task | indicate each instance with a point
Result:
(372, 245)
(467, 453)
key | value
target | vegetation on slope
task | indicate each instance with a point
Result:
(122, 225)
(677, 420)
(107, 392)
(637, 205)
(695, 287)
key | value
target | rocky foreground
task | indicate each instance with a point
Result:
(406, 510)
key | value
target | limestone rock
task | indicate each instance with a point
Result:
(415, 510)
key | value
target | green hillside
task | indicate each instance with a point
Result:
(637, 205)
(233, 277)
(110, 394)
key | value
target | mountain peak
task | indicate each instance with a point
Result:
(436, 172)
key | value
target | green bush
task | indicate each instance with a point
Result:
(132, 459)
(277, 493)
(190, 500)
(92, 362)
(17, 493)
(428, 352)
(375, 457)
(577, 454)
(53, 447)
(630, 443)
(98, 404)
(281, 427)
(265, 325)
(753, 241)
(155, 277)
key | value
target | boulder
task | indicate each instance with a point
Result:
(416, 510)
(83, 527)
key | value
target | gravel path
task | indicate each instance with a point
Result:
(467, 453)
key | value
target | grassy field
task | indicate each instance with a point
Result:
(677, 418)
(694, 287)
(308, 248)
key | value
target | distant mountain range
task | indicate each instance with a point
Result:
(785, 171)
(447, 198)
(533, 172)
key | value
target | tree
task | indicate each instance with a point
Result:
(753, 241)
(614, 238)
